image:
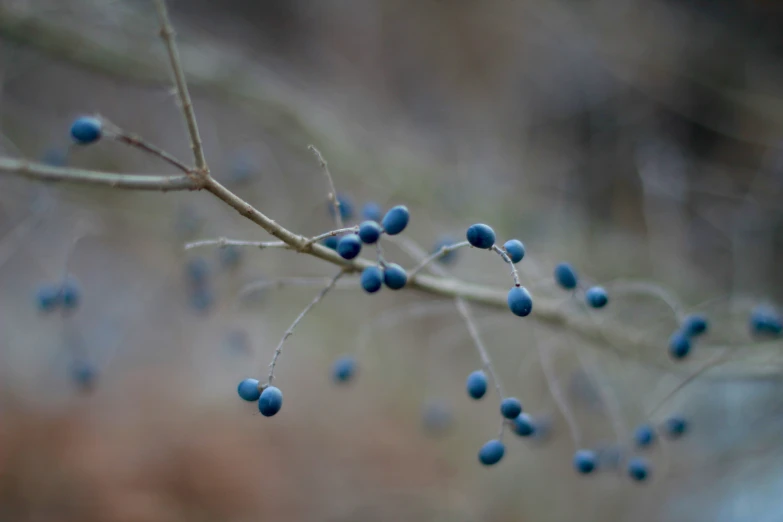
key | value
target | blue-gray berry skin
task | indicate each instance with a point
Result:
(198, 271)
(369, 232)
(349, 246)
(83, 374)
(480, 236)
(248, 390)
(330, 242)
(230, 256)
(346, 207)
(371, 279)
(523, 425)
(449, 257)
(515, 250)
(694, 325)
(566, 276)
(519, 301)
(596, 297)
(644, 436)
(270, 401)
(585, 461)
(476, 384)
(679, 345)
(86, 130)
(491, 452)
(765, 321)
(395, 220)
(48, 297)
(394, 276)
(510, 408)
(638, 469)
(70, 295)
(343, 369)
(372, 211)
(675, 426)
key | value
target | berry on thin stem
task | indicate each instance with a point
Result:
(371, 279)
(519, 301)
(270, 401)
(523, 425)
(343, 369)
(86, 130)
(349, 246)
(369, 232)
(515, 250)
(480, 236)
(248, 390)
(566, 276)
(596, 297)
(679, 345)
(510, 407)
(585, 461)
(394, 276)
(492, 452)
(694, 325)
(395, 220)
(477, 384)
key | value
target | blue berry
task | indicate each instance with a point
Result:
(449, 257)
(679, 345)
(83, 374)
(70, 295)
(585, 461)
(48, 297)
(566, 276)
(515, 250)
(694, 325)
(346, 207)
(369, 232)
(523, 425)
(480, 236)
(371, 279)
(765, 321)
(644, 435)
(519, 301)
(638, 469)
(510, 407)
(330, 242)
(394, 276)
(477, 384)
(372, 211)
(248, 390)
(395, 220)
(270, 401)
(491, 452)
(198, 271)
(343, 369)
(349, 246)
(86, 130)
(230, 256)
(676, 426)
(596, 297)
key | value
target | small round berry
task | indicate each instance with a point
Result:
(346, 207)
(585, 461)
(491, 452)
(523, 425)
(248, 390)
(83, 374)
(480, 236)
(477, 384)
(349, 246)
(644, 435)
(343, 369)
(330, 242)
(369, 232)
(676, 426)
(566, 276)
(198, 271)
(48, 297)
(372, 211)
(596, 297)
(86, 130)
(395, 220)
(70, 295)
(519, 301)
(765, 321)
(230, 256)
(694, 325)
(270, 401)
(679, 345)
(510, 407)
(371, 279)
(449, 257)
(638, 469)
(394, 276)
(515, 250)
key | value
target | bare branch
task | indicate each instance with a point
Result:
(333, 199)
(442, 251)
(224, 242)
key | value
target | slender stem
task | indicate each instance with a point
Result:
(470, 322)
(333, 199)
(442, 251)
(502, 253)
(331, 233)
(301, 316)
(167, 33)
(282, 282)
(223, 242)
(136, 141)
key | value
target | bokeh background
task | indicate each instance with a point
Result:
(638, 139)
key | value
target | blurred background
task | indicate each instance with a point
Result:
(637, 139)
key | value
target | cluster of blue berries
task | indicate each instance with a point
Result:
(568, 279)
(681, 341)
(65, 296)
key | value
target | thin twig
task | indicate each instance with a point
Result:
(333, 199)
(167, 33)
(138, 142)
(283, 282)
(224, 242)
(331, 233)
(442, 251)
(291, 328)
(467, 315)
(502, 253)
